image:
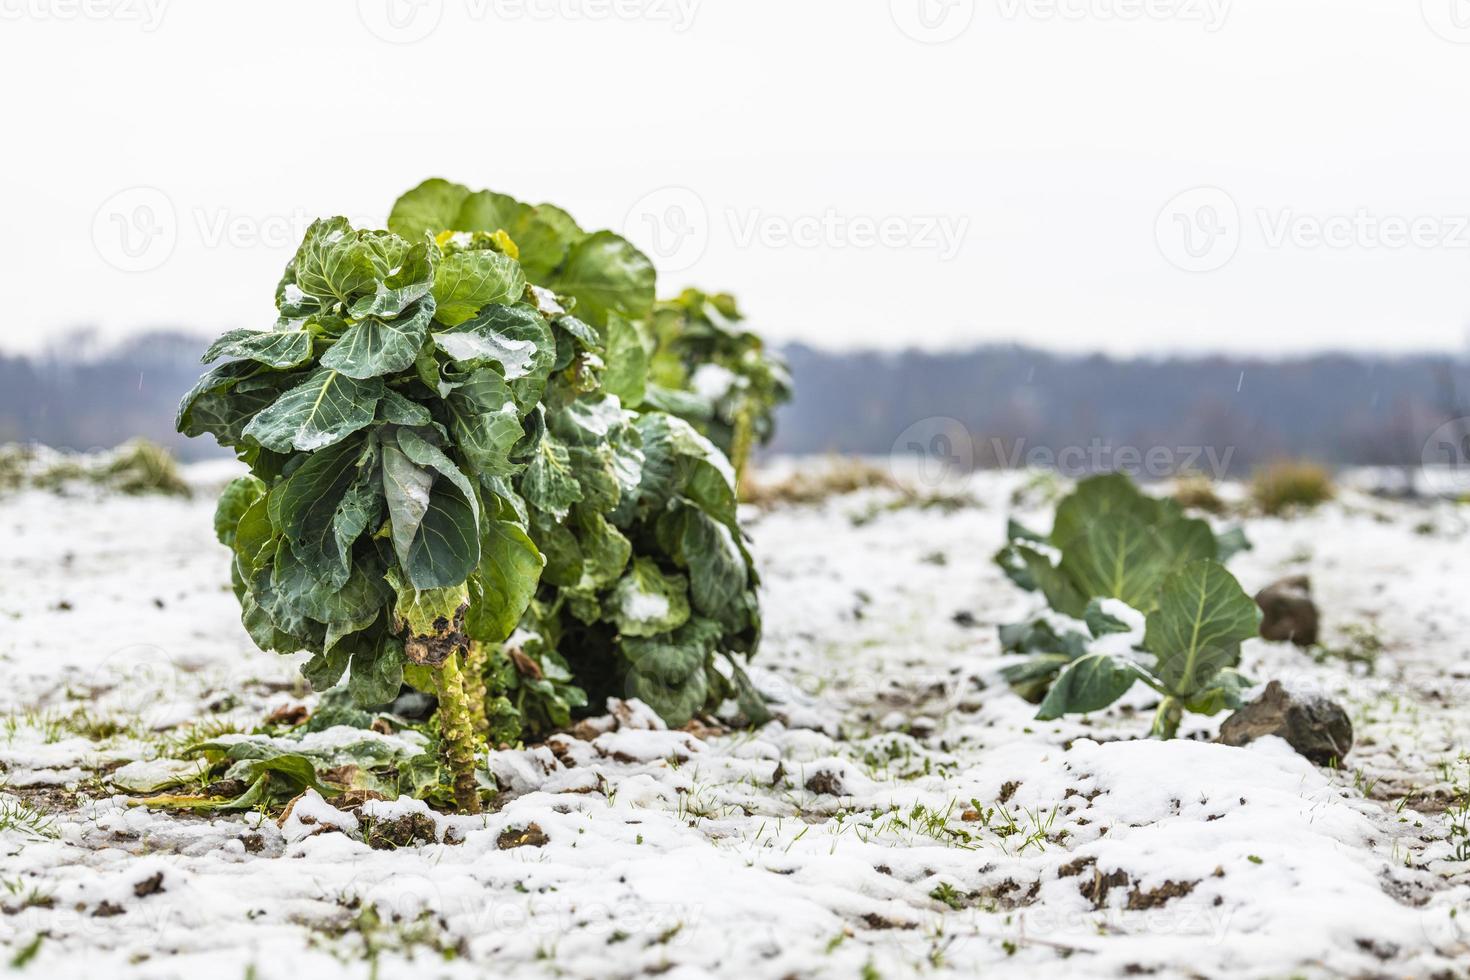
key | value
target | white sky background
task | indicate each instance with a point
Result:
(1053, 134)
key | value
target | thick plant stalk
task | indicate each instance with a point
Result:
(740, 442)
(1166, 720)
(457, 731)
(474, 687)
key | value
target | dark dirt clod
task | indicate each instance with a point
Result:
(826, 782)
(106, 910)
(407, 831)
(529, 836)
(1096, 888)
(1008, 789)
(151, 885)
(1139, 900)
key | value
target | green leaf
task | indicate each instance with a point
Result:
(627, 361)
(646, 601)
(1202, 617)
(667, 671)
(485, 422)
(1117, 557)
(409, 283)
(277, 349)
(324, 409)
(606, 275)
(308, 503)
(429, 208)
(1227, 692)
(717, 572)
(216, 382)
(504, 584)
(548, 483)
(1060, 591)
(1187, 539)
(1100, 622)
(603, 548)
(338, 264)
(378, 345)
(377, 673)
(433, 511)
(515, 338)
(466, 282)
(239, 495)
(1098, 497)
(544, 236)
(1230, 543)
(1088, 684)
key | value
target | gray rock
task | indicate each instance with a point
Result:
(1315, 726)
(1288, 612)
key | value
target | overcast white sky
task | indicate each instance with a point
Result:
(1126, 175)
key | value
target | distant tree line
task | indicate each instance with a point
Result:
(1015, 403)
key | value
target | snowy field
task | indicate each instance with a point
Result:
(905, 815)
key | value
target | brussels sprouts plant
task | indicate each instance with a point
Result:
(445, 449)
(722, 378)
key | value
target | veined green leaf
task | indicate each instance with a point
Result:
(504, 584)
(1117, 557)
(429, 208)
(466, 282)
(239, 495)
(273, 348)
(485, 421)
(1098, 497)
(324, 409)
(1202, 617)
(1088, 684)
(434, 512)
(606, 275)
(409, 283)
(627, 361)
(514, 337)
(378, 345)
(309, 502)
(548, 483)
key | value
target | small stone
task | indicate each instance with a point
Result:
(1288, 612)
(1314, 726)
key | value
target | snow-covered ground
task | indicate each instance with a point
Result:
(905, 815)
